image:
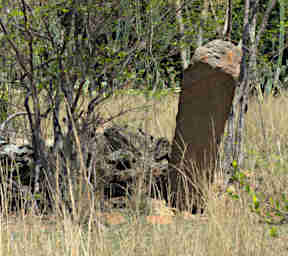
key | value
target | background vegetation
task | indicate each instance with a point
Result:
(72, 65)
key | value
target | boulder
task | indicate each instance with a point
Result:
(205, 101)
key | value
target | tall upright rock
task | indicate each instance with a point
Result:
(205, 101)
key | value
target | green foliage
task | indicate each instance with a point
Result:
(4, 99)
(273, 73)
(273, 232)
(97, 42)
(269, 210)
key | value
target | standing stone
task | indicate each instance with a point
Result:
(205, 101)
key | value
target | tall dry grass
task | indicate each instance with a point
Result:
(228, 226)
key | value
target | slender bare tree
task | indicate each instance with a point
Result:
(228, 21)
(183, 49)
(233, 143)
(203, 21)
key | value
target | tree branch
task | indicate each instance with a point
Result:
(18, 55)
(10, 118)
(265, 20)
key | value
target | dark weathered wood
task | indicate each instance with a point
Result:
(204, 106)
(116, 159)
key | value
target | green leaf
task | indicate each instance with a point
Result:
(235, 197)
(256, 202)
(284, 197)
(37, 196)
(64, 10)
(273, 232)
(247, 188)
(17, 13)
(277, 204)
(234, 164)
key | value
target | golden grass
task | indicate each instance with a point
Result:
(227, 228)
(156, 116)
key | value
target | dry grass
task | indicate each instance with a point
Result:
(227, 228)
(156, 116)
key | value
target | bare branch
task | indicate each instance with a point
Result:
(16, 50)
(77, 96)
(33, 32)
(228, 21)
(10, 118)
(265, 20)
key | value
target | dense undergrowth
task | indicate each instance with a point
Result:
(249, 218)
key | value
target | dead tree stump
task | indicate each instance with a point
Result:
(205, 101)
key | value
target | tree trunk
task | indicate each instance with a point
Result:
(233, 144)
(183, 49)
(203, 21)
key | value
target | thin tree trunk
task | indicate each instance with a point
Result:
(245, 85)
(248, 77)
(281, 44)
(203, 21)
(233, 134)
(183, 49)
(228, 21)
